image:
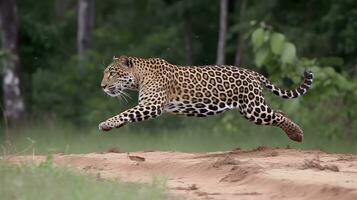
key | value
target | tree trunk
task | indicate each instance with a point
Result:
(85, 25)
(188, 38)
(240, 47)
(14, 107)
(222, 31)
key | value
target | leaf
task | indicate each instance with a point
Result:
(277, 43)
(260, 56)
(289, 53)
(258, 38)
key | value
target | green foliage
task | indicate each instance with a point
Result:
(277, 42)
(329, 86)
(258, 37)
(260, 56)
(46, 181)
(288, 55)
(272, 46)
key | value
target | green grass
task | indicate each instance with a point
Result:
(46, 181)
(194, 138)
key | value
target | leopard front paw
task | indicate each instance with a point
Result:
(104, 127)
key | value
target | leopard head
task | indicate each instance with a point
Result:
(118, 76)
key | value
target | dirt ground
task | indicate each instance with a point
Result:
(263, 173)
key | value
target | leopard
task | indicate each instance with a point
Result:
(196, 91)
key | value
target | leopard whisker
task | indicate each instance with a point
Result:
(122, 95)
(120, 98)
(127, 95)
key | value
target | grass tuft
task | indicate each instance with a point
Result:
(46, 181)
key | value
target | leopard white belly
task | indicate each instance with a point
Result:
(197, 108)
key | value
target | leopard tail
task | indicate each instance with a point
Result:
(289, 94)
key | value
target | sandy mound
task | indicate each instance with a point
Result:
(263, 173)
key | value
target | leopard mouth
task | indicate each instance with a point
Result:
(113, 91)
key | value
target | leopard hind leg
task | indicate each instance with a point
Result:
(259, 113)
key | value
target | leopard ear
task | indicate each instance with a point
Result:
(115, 58)
(125, 61)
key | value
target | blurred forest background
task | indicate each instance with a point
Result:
(53, 54)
